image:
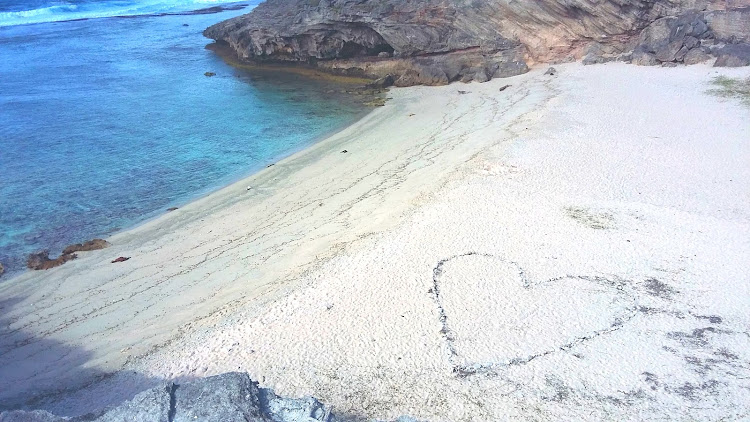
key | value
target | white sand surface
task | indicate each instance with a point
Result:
(573, 247)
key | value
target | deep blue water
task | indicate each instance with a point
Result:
(107, 122)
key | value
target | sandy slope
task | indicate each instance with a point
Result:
(573, 247)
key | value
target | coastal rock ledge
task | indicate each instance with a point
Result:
(227, 397)
(435, 42)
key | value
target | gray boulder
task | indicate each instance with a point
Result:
(33, 416)
(730, 25)
(697, 55)
(643, 58)
(223, 398)
(227, 397)
(733, 55)
(669, 39)
(149, 406)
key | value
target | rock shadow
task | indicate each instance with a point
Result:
(37, 372)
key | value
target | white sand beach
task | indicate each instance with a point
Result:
(572, 247)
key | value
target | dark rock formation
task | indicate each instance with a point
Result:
(697, 55)
(228, 397)
(435, 42)
(732, 24)
(120, 259)
(733, 55)
(41, 261)
(89, 245)
(2, 269)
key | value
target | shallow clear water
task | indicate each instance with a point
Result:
(106, 122)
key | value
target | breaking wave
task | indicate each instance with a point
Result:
(20, 12)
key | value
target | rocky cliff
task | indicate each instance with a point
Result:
(439, 41)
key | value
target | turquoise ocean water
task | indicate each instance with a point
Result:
(107, 121)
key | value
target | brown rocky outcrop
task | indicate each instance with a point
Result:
(41, 260)
(89, 245)
(435, 42)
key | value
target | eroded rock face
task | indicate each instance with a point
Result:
(435, 42)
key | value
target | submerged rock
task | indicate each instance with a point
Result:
(2, 269)
(41, 261)
(89, 245)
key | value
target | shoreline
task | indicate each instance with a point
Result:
(97, 294)
(229, 56)
(341, 85)
(317, 280)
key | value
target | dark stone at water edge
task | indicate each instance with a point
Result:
(41, 261)
(383, 82)
(223, 398)
(2, 269)
(89, 245)
(209, 74)
(120, 259)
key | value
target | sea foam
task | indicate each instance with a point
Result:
(55, 11)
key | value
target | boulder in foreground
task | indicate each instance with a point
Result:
(223, 398)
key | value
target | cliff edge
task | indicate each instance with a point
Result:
(435, 42)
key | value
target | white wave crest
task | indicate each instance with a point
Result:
(67, 11)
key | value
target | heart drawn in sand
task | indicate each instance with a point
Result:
(493, 317)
